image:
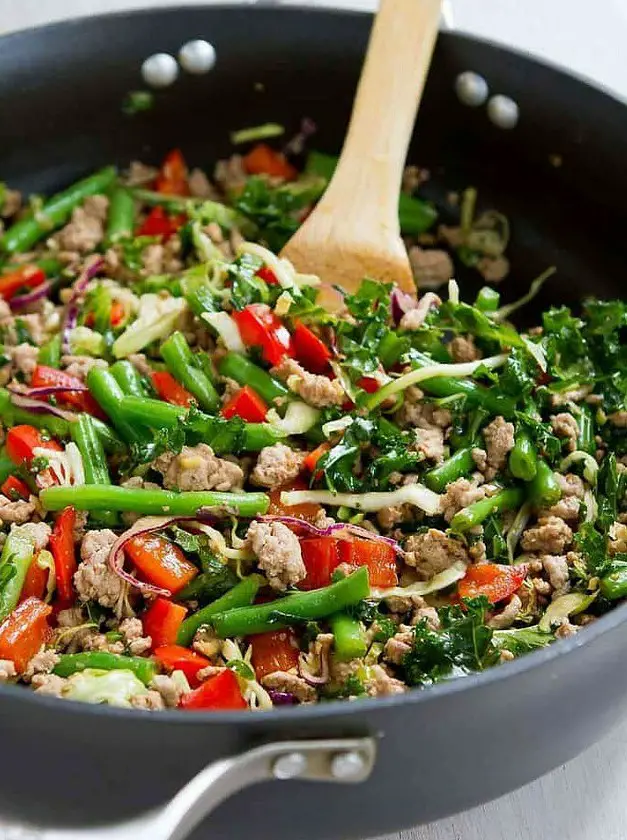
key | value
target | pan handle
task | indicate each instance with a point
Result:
(340, 760)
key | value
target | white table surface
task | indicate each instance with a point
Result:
(584, 800)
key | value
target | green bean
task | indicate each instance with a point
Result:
(585, 424)
(487, 299)
(109, 395)
(237, 367)
(48, 265)
(475, 513)
(614, 584)
(225, 216)
(151, 502)
(50, 352)
(180, 362)
(349, 637)
(128, 378)
(71, 663)
(523, 459)
(458, 465)
(151, 413)
(56, 211)
(11, 415)
(90, 446)
(241, 595)
(544, 489)
(121, 214)
(110, 441)
(17, 555)
(302, 606)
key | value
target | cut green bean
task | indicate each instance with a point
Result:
(11, 415)
(90, 446)
(241, 595)
(128, 378)
(110, 441)
(109, 395)
(349, 637)
(544, 490)
(302, 606)
(237, 367)
(152, 502)
(50, 352)
(487, 299)
(477, 512)
(121, 216)
(458, 465)
(17, 555)
(56, 211)
(614, 584)
(523, 459)
(180, 362)
(151, 413)
(71, 663)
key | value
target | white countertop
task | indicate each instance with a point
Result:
(584, 800)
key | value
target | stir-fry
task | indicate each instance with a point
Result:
(217, 495)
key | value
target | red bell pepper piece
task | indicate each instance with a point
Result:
(309, 511)
(162, 621)
(158, 223)
(172, 178)
(45, 377)
(310, 351)
(219, 692)
(160, 562)
(22, 440)
(260, 327)
(378, 557)
(493, 580)
(247, 404)
(369, 384)
(262, 160)
(62, 548)
(274, 651)
(268, 275)
(312, 458)
(35, 582)
(177, 658)
(116, 315)
(24, 631)
(321, 557)
(170, 390)
(14, 488)
(24, 277)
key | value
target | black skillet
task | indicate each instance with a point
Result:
(440, 750)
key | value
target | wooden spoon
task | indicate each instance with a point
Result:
(354, 230)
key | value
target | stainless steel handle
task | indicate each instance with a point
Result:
(340, 760)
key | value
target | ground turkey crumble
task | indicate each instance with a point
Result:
(319, 391)
(432, 552)
(276, 465)
(565, 426)
(550, 536)
(95, 580)
(86, 229)
(198, 468)
(278, 552)
(499, 440)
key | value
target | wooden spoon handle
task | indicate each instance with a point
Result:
(393, 77)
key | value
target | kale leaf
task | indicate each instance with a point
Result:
(520, 640)
(246, 286)
(273, 210)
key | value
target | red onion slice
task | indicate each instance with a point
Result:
(355, 530)
(282, 698)
(400, 303)
(49, 390)
(19, 400)
(306, 674)
(91, 268)
(296, 145)
(20, 301)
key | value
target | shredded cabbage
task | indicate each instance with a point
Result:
(590, 466)
(156, 319)
(115, 688)
(66, 465)
(253, 692)
(86, 342)
(227, 329)
(424, 587)
(45, 561)
(412, 494)
(562, 607)
(299, 418)
(282, 269)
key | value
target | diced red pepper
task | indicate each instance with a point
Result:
(35, 582)
(495, 581)
(308, 511)
(22, 440)
(162, 621)
(158, 223)
(178, 658)
(378, 557)
(260, 327)
(160, 562)
(14, 488)
(219, 692)
(116, 316)
(172, 178)
(312, 458)
(170, 390)
(24, 631)
(310, 351)
(321, 557)
(268, 275)
(24, 277)
(247, 404)
(62, 548)
(262, 160)
(46, 377)
(369, 384)
(274, 651)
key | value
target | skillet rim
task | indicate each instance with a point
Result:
(415, 696)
